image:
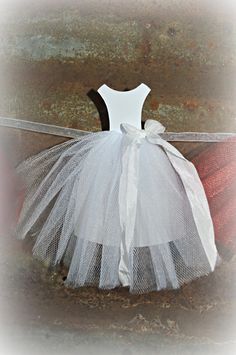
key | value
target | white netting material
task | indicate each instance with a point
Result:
(72, 211)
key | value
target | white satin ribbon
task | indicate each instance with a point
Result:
(128, 192)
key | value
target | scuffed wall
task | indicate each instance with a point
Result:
(53, 53)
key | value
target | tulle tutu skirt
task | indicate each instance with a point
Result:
(118, 209)
(216, 167)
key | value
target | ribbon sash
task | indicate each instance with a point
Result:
(128, 191)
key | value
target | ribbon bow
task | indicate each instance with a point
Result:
(151, 132)
(150, 127)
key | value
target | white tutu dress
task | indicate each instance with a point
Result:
(121, 207)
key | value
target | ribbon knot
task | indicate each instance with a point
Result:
(152, 129)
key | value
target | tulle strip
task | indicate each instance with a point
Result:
(48, 177)
(166, 266)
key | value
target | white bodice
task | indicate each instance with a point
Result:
(124, 106)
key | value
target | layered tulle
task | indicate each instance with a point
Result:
(217, 169)
(115, 209)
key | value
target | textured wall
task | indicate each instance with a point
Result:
(53, 53)
(51, 56)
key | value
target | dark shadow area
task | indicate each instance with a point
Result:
(101, 107)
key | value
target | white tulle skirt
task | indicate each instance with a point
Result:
(119, 209)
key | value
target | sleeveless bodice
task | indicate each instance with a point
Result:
(124, 106)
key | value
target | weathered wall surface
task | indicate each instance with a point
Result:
(51, 56)
(53, 53)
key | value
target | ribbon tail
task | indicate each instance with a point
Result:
(199, 205)
(196, 196)
(166, 146)
(128, 192)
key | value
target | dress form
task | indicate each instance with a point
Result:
(122, 208)
(124, 106)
